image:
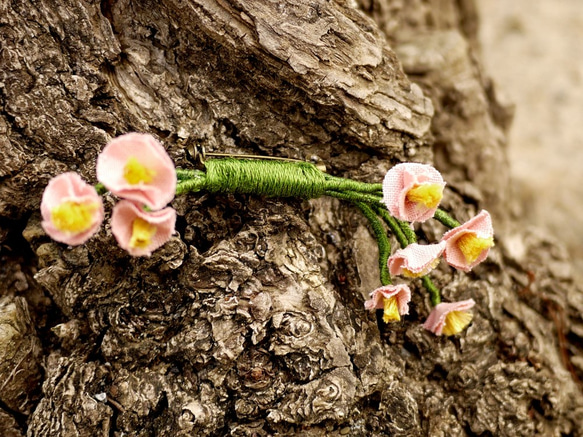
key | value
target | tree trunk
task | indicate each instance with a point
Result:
(250, 321)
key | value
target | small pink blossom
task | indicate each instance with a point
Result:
(141, 232)
(136, 167)
(449, 318)
(412, 192)
(469, 244)
(72, 210)
(393, 299)
(415, 260)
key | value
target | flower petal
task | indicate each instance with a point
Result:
(400, 292)
(437, 320)
(136, 167)
(141, 232)
(412, 191)
(415, 260)
(469, 244)
(71, 209)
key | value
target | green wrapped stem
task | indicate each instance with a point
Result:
(434, 293)
(382, 241)
(273, 179)
(446, 219)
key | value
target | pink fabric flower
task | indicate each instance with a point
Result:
(412, 192)
(72, 210)
(469, 244)
(449, 318)
(141, 232)
(393, 299)
(136, 167)
(415, 260)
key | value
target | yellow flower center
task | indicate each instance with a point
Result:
(142, 233)
(472, 246)
(73, 217)
(134, 172)
(391, 310)
(409, 274)
(426, 194)
(456, 322)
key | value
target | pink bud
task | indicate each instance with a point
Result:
(449, 318)
(469, 244)
(412, 192)
(415, 260)
(72, 210)
(141, 232)
(136, 167)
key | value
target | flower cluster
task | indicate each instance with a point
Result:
(412, 193)
(136, 168)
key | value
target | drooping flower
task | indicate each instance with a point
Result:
(393, 299)
(415, 260)
(469, 244)
(136, 167)
(72, 210)
(141, 232)
(449, 318)
(412, 192)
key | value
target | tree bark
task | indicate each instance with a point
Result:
(250, 321)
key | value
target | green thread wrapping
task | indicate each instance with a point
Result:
(446, 219)
(273, 179)
(340, 184)
(434, 293)
(264, 178)
(382, 240)
(393, 225)
(352, 196)
(100, 188)
(409, 233)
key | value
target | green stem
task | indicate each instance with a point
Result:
(342, 184)
(446, 219)
(434, 293)
(274, 179)
(100, 188)
(409, 233)
(393, 225)
(382, 240)
(352, 196)
(405, 235)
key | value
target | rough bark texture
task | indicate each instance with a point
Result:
(250, 321)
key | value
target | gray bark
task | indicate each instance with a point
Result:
(250, 321)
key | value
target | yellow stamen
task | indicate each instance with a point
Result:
(73, 217)
(142, 233)
(472, 246)
(409, 274)
(426, 194)
(135, 172)
(456, 322)
(391, 310)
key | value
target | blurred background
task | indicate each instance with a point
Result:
(533, 49)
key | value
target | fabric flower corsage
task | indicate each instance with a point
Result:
(415, 260)
(141, 232)
(71, 209)
(392, 299)
(469, 244)
(449, 318)
(136, 167)
(412, 192)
